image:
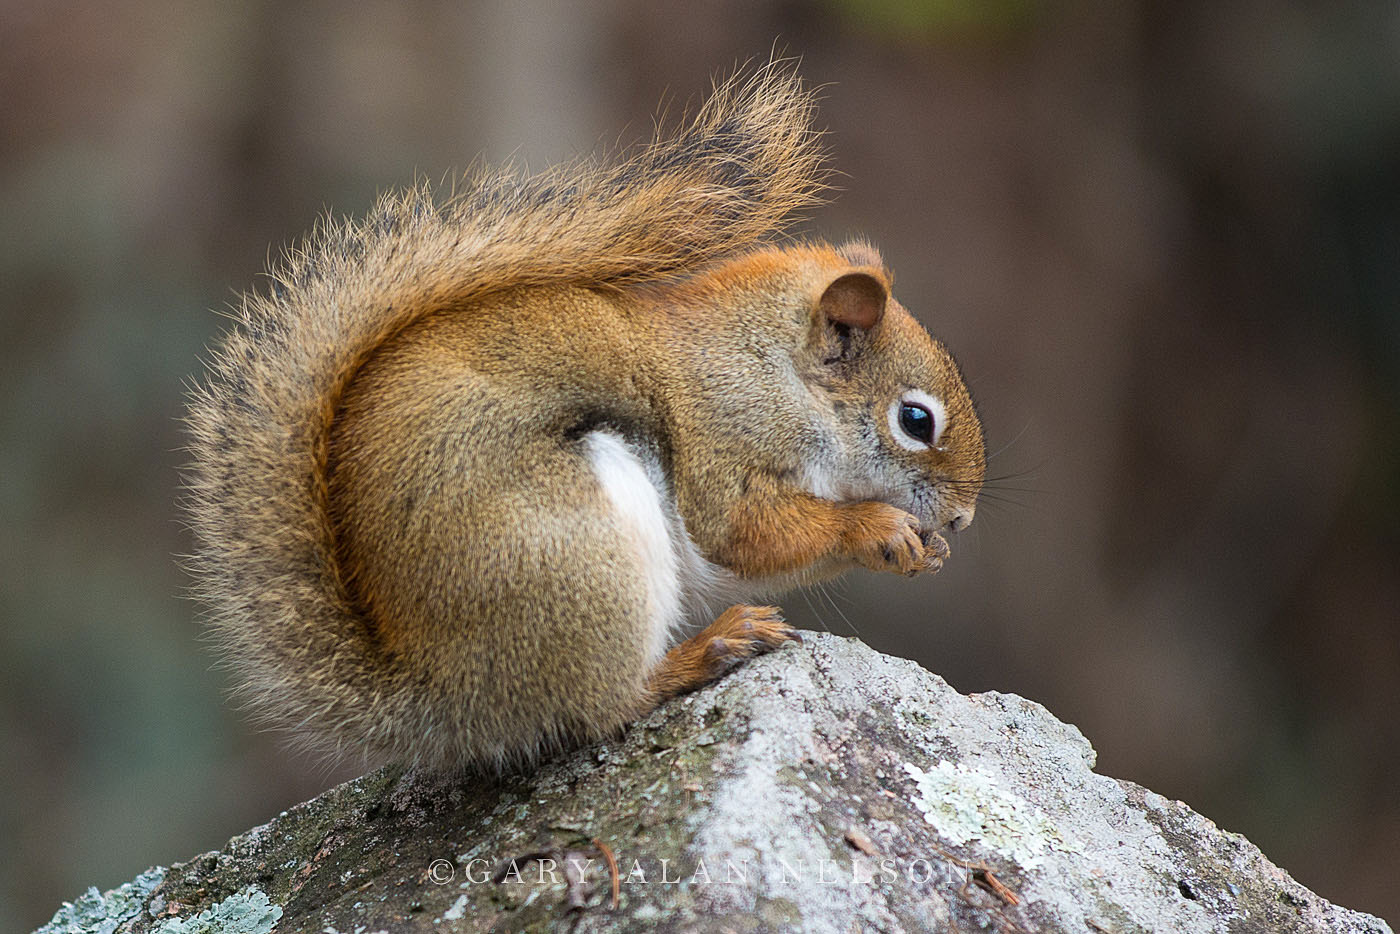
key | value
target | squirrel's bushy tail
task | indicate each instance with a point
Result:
(256, 489)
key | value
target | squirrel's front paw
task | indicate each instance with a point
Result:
(886, 538)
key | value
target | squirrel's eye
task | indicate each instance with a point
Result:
(917, 422)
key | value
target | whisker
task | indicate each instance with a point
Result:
(816, 614)
(1008, 445)
(997, 497)
(825, 589)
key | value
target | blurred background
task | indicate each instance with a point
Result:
(1162, 237)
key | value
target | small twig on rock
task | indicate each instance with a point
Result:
(984, 876)
(988, 880)
(612, 869)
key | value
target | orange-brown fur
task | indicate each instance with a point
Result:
(402, 455)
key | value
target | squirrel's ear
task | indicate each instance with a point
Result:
(855, 299)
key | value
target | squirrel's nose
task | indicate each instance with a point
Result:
(960, 519)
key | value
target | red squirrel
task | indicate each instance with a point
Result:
(460, 474)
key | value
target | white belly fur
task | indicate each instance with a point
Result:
(639, 500)
(679, 581)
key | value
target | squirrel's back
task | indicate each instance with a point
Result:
(269, 564)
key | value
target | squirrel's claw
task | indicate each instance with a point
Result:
(936, 551)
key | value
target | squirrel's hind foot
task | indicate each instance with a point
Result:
(739, 632)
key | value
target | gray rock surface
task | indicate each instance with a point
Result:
(824, 787)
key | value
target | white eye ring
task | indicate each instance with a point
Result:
(918, 399)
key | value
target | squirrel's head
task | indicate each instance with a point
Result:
(906, 425)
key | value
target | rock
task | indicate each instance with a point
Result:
(824, 787)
